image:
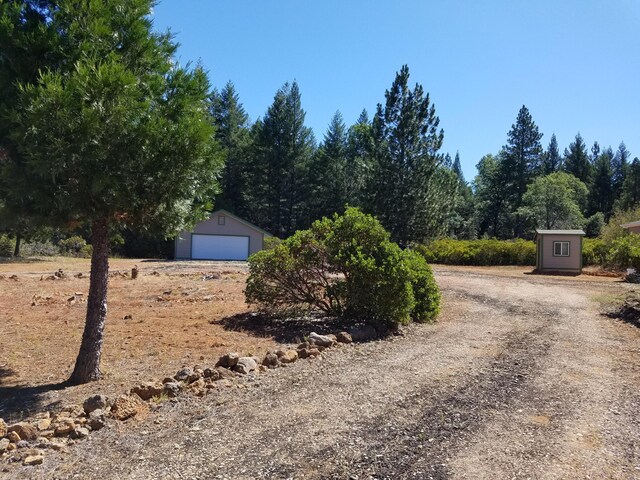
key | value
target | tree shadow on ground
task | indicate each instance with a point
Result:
(283, 330)
(20, 401)
(632, 318)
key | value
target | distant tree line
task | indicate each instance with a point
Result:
(277, 176)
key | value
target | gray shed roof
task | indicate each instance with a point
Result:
(559, 232)
(631, 224)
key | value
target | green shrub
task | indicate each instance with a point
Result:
(594, 251)
(624, 252)
(347, 266)
(6, 246)
(270, 242)
(479, 252)
(75, 246)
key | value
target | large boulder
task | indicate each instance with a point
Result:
(320, 340)
(25, 430)
(148, 390)
(245, 365)
(94, 402)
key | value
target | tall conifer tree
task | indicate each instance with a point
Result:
(551, 160)
(576, 160)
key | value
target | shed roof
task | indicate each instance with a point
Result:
(631, 224)
(559, 232)
(248, 224)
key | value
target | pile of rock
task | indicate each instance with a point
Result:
(27, 441)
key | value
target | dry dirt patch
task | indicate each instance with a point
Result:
(167, 317)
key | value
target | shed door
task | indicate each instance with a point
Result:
(219, 247)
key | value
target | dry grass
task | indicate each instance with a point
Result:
(164, 319)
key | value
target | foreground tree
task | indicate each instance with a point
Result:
(116, 135)
(555, 201)
(407, 198)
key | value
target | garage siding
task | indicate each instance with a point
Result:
(212, 227)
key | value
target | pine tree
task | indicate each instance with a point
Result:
(491, 202)
(595, 152)
(280, 156)
(232, 132)
(630, 197)
(358, 172)
(457, 169)
(522, 161)
(328, 184)
(407, 198)
(620, 162)
(576, 160)
(551, 160)
(602, 193)
(115, 134)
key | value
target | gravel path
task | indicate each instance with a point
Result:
(520, 379)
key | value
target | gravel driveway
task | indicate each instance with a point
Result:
(521, 378)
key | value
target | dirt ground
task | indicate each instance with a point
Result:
(521, 378)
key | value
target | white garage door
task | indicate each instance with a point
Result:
(219, 247)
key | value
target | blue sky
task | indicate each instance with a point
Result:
(574, 63)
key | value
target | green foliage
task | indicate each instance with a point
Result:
(624, 252)
(7, 245)
(555, 201)
(594, 225)
(75, 246)
(576, 160)
(612, 230)
(594, 251)
(479, 252)
(408, 196)
(347, 266)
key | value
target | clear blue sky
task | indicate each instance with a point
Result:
(574, 63)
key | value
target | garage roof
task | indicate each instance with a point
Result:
(235, 217)
(559, 232)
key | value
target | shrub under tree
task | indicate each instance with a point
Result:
(344, 266)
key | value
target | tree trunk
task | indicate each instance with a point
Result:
(87, 367)
(16, 250)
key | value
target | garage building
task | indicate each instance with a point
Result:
(223, 236)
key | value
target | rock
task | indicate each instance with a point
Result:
(270, 360)
(172, 389)
(363, 333)
(225, 373)
(211, 373)
(80, 432)
(33, 460)
(303, 345)
(4, 443)
(262, 368)
(196, 375)
(287, 356)
(344, 337)
(58, 444)
(127, 406)
(13, 437)
(43, 424)
(11, 447)
(73, 410)
(183, 374)
(321, 340)
(198, 388)
(308, 352)
(3, 428)
(229, 360)
(148, 390)
(25, 430)
(97, 419)
(94, 403)
(22, 444)
(65, 427)
(245, 365)
(47, 433)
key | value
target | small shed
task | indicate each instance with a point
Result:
(223, 236)
(559, 250)
(633, 227)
